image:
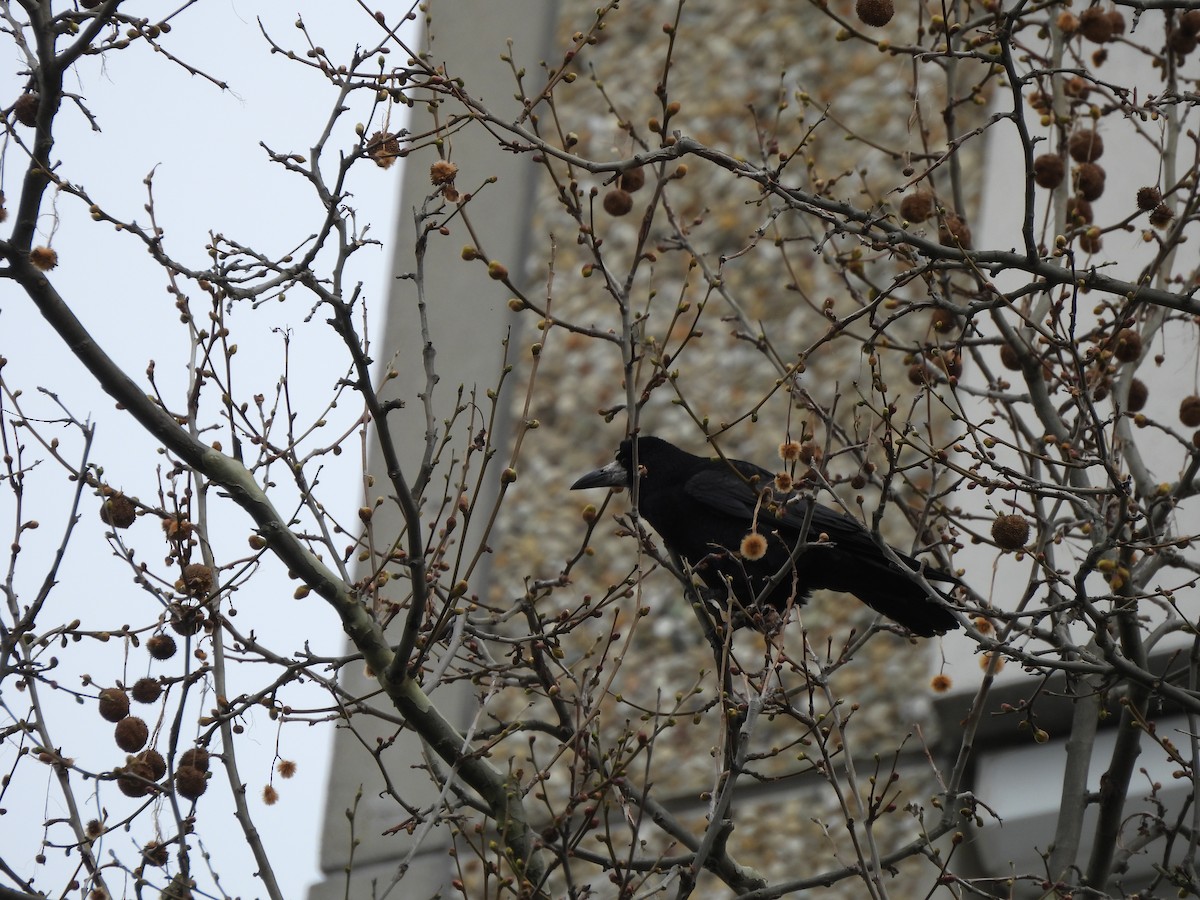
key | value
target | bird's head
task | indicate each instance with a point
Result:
(652, 454)
(615, 474)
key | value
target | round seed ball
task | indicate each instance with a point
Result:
(917, 206)
(1010, 532)
(1048, 170)
(1085, 146)
(1189, 411)
(1127, 346)
(1095, 25)
(146, 690)
(1138, 394)
(131, 734)
(874, 12)
(190, 782)
(1149, 197)
(161, 646)
(618, 202)
(1089, 181)
(114, 704)
(196, 758)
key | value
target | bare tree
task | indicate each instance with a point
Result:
(1000, 390)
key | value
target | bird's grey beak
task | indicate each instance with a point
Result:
(612, 475)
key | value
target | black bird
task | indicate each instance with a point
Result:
(703, 509)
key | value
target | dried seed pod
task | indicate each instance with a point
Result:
(1138, 395)
(1089, 181)
(1189, 411)
(618, 202)
(1048, 170)
(198, 579)
(1095, 25)
(1091, 241)
(118, 511)
(917, 206)
(633, 179)
(146, 690)
(1010, 358)
(161, 646)
(190, 782)
(1085, 145)
(196, 757)
(25, 110)
(1127, 345)
(154, 759)
(953, 231)
(114, 704)
(1010, 532)
(875, 13)
(943, 320)
(134, 779)
(1150, 196)
(186, 620)
(1161, 216)
(1079, 211)
(131, 734)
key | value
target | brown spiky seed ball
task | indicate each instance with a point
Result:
(154, 759)
(954, 231)
(1117, 20)
(1180, 42)
(131, 734)
(1161, 216)
(25, 110)
(442, 172)
(118, 511)
(1138, 395)
(1095, 25)
(114, 704)
(1090, 241)
(943, 320)
(43, 258)
(1148, 198)
(918, 374)
(198, 579)
(186, 620)
(1010, 532)
(1189, 411)
(1127, 346)
(196, 757)
(1089, 181)
(618, 202)
(1189, 22)
(1079, 211)
(155, 854)
(190, 782)
(132, 779)
(146, 690)
(875, 13)
(1085, 146)
(384, 148)
(1010, 358)
(1048, 170)
(161, 646)
(917, 206)
(633, 179)
(753, 546)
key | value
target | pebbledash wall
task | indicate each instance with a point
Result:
(728, 56)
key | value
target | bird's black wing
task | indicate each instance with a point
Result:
(736, 493)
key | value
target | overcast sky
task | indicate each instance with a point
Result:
(210, 174)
